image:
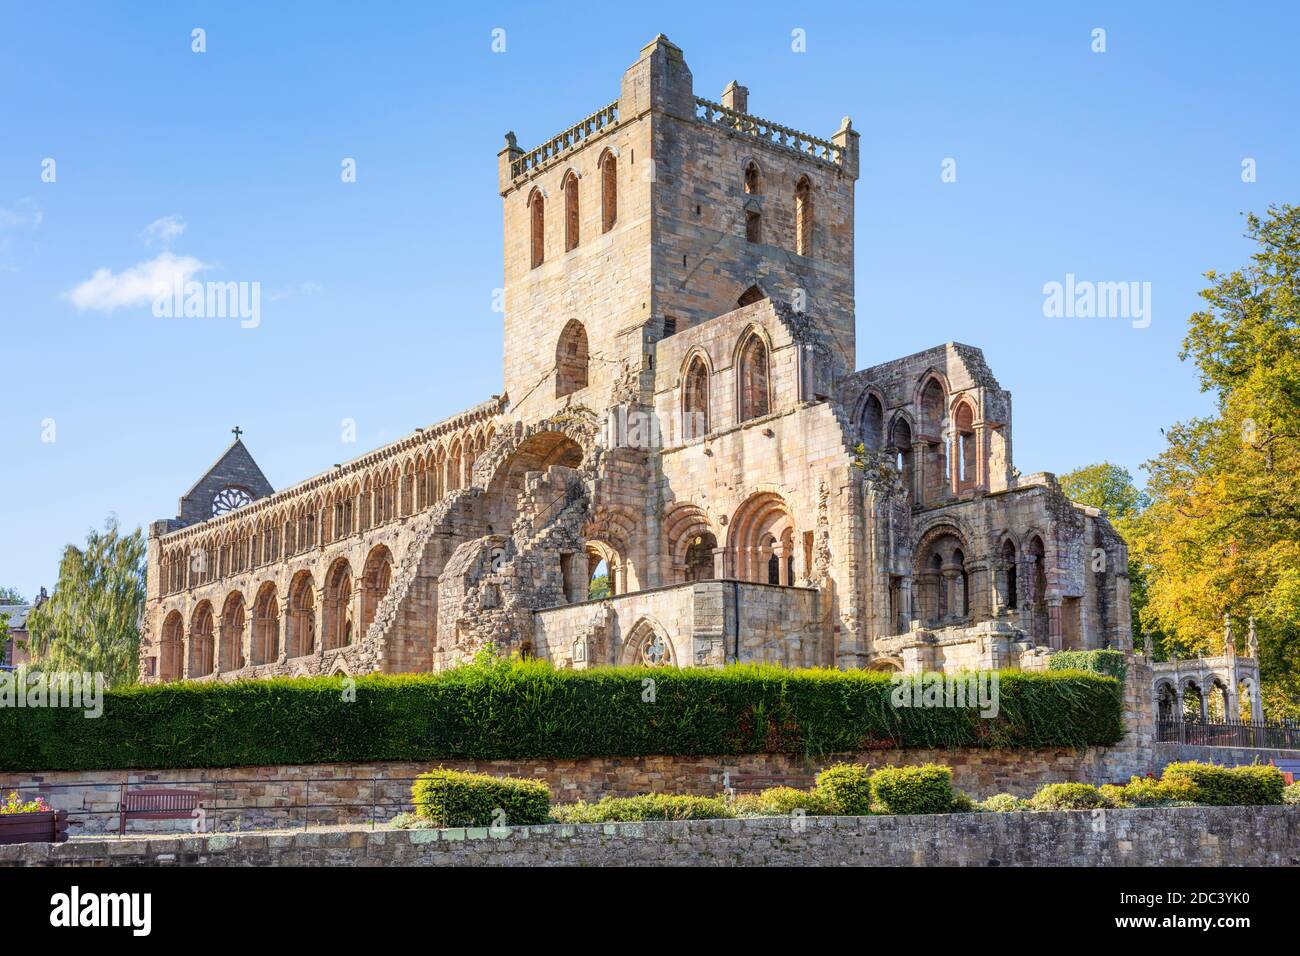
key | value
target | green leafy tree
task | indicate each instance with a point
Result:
(598, 590)
(1222, 531)
(1112, 489)
(91, 621)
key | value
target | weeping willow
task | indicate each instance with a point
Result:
(91, 621)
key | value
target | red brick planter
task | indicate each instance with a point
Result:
(50, 826)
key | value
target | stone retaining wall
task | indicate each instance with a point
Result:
(245, 798)
(1192, 836)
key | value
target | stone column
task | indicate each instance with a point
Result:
(1054, 621)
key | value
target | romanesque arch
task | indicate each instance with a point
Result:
(170, 647)
(338, 623)
(760, 540)
(302, 615)
(376, 577)
(900, 443)
(202, 640)
(265, 648)
(942, 578)
(538, 452)
(537, 227)
(232, 632)
(962, 446)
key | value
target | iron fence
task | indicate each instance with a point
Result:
(1266, 734)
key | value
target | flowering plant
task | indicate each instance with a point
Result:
(14, 805)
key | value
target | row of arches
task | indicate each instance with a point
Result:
(941, 437)
(384, 494)
(753, 367)
(216, 644)
(1206, 698)
(607, 167)
(944, 582)
(762, 543)
(803, 210)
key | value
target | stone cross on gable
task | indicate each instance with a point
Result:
(237, 431)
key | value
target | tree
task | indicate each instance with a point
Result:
(91, 621)
(598, 590)
(1222, 532)
(1112, 489)
(11, 596)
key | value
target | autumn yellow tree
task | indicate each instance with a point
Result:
(1222, 531)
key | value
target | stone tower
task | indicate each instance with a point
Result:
(658, 212)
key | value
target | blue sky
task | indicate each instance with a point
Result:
(1115, 166)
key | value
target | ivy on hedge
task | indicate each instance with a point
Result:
(527, 709)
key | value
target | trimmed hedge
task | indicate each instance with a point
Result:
(452, 798)
(847, 788)
(923, 789)
(650, 806)
(1291, 795)
(1245, 786)
(1107, 662)
(783, 801)
(1002, 803)
(1068, 796)
(1150, 792)
(529, 710)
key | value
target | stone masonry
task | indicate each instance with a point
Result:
(681, 410)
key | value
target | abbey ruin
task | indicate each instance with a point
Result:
(680, 406)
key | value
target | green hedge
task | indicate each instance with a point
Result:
(783, 801)
(1109, 663)
(923, 789)
(452, 798)
(529, 710)
(847, 788)
(650, 806)
(1069, 796)
(1251, 785)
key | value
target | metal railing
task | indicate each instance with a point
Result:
(1267, 734)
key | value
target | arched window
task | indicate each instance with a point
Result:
(170, 647)
(201, 641)
(937, 433)
(376, 577)
(900, 440)
(695, 400)
(754, 397)
(338, 606)
(699, 557)
(608, 192)
(571, 359)
(753, 217)
(965, 465)
(871, 423)
(302, 615)
(750, 296)
(1010, 596)
(266, 626)
(570, 212)
(803, 217)
(537, 217)
(231, 657)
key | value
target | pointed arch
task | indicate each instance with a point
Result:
(870, 420)
(231, 657)
(572, 224)
(338, 623)
(170, 647)
(571, 359)
(302, 615)
(753, 373)
(695, 395)
(803, 217)
(376, 576)
(202, 640)
(608, 191)
(537, 227)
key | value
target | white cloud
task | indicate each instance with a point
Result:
(303, 288)
(27, 215)
(164, 231)
(139, 285)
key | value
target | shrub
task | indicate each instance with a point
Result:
(1149, 792)
(1068, 796)
(962, 803)
(1291, 794)
(782, 801)
(1252, 785)
(651, 806)
(1003, 803)
(923, 789)
(450, 798)
(518, 710)
(847, 788)
(1110, 663)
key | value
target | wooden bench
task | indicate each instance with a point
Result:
(157, 804)
(1290, 769)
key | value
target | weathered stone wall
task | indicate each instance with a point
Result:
(259, 797)
(778, 625)
(1191, 836)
